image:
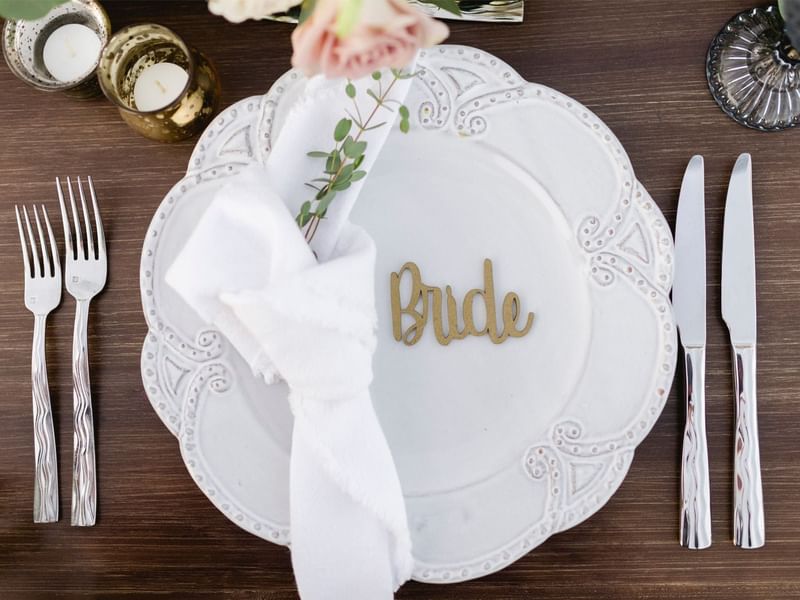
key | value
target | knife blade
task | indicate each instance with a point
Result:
(738, 256)
(739, 313)
(689, 303)
(689, 287)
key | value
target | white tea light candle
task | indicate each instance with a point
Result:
(71, 52)
(159, 85)
(164, 89)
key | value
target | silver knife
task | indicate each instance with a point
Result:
(479, 10)
(495, 11)
(689, 302)
(739, 313)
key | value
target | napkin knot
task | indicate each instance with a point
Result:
(317, 325)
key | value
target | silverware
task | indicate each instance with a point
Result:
(510, 11)
(739, 313)
(42, 295)
(495, 11)
(86, 268)
(689, 301)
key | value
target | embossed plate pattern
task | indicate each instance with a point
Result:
(497, 446)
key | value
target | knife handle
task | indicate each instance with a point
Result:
(748, 503)
(695, 486)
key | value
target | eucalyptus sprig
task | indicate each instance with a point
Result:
(343, 162)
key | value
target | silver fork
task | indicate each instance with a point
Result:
(86, 268)
(42, 295)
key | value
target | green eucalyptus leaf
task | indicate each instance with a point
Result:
(354, 149)
(405, 126)
(306, 9)
(27, 9)
(358, 176)
(342, 129)
(321, 194)
(333, 163)
(403, 110)
(350, 90)
(400, 74)
(345, 173)
(377, 75)
(305, 214)
(358, 162)
(318, 154)
(325, 202)
(450, 6)
(340, 186)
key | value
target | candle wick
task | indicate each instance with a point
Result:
(161, 87)
(70, 48)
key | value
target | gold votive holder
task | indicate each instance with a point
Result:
(128, 56)
(24, 45)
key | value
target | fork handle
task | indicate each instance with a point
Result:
(84, 478)
(748, 502)
(45, 488)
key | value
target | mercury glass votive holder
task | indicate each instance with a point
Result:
(144, 51)
(24, 45)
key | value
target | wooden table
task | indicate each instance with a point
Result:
(640, 67)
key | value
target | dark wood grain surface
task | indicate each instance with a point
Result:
(640, 66)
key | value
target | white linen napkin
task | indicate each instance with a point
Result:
(247, 270)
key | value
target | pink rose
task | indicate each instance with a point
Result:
(386, 34)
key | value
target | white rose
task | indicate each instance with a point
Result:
(237, 11)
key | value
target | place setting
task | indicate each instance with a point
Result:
(407, 313)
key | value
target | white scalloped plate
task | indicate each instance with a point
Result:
(497, 446)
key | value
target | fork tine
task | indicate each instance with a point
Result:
(37, 265)
(47, 267)
(101, 236)
(53, 246)
(89, 240)
(80, 251)
(25, 260)
(65, 221)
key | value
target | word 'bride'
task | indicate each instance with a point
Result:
(425, 301)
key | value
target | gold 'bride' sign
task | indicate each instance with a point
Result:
(425, 301)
